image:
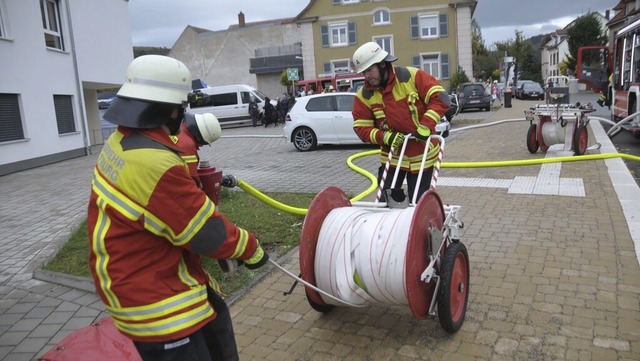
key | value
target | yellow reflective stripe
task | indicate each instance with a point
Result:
(169, 325)
(243, 240)
(102, 256)
(433, 115)
(379, 114)
(434, 89)
(159, 228)
(183, 273)
(363, 123)
(165, 307)
(116, 199)
(189, 158)
(215, 285)
(413, 110)
(373, 135)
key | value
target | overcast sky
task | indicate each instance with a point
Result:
(160, 22)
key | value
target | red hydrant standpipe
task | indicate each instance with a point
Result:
(211, 179)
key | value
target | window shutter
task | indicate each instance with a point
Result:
(10, 121)
(444, 25)
(337, 2)
(324, 36)
(416, 62)
(444, 66)
(327, 67)
(415, 28)
(64, 114)
(351, 29)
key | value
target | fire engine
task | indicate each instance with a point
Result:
(616, 73)
(339, 82)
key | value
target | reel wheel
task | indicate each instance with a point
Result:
(453, 294)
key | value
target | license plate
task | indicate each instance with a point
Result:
(534, 94)
(474, 101)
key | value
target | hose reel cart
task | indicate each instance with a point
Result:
(393, 252)
(551, 124)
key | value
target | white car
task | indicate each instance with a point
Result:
(321, 119)
(326, 119)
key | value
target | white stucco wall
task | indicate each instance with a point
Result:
(97, 50)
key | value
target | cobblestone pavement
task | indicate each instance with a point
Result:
(553, 277)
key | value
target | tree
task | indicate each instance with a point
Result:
(458, 78)
(584, 31)
(526, 64)
(284, 80)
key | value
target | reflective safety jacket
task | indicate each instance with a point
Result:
(411, 99)
(148, 223)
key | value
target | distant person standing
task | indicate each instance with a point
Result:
(254, 112)
(495, 92)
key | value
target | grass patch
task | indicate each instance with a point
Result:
(277, 231)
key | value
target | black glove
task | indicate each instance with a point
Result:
(259, 258)
(229, 265)
(394, 139)
(229, 181)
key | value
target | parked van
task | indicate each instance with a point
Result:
(229, 103)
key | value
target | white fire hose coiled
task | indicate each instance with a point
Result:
(360, 256)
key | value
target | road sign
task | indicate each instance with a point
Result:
(292, 74)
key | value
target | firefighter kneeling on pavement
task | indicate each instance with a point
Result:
(149, 224)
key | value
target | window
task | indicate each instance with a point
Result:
(385, 42)
(381, 17)
(430, 65)
(341, 66)
(3, 33)
(224, 99)
(338, 34)
(345, 103)
(64, 114)
(246, 97)
(51, 23)
(430, 26)
(434, 64)
(10, 120)
(321, 104)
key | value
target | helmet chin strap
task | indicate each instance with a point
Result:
(174, 123)
(382, 69)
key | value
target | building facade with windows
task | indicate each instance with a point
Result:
(55, 55)
(431, 35)
(252, 53)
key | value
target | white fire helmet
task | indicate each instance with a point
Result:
(368, 54)
(157, 78)
(205, 128)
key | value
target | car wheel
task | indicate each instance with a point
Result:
(304, 139)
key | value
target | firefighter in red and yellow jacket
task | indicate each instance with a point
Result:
(396, 101)
(149, 221)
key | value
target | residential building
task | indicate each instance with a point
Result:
(555, 48)
(55, 55)
(623, 13)
(252, 53)
(432, 35)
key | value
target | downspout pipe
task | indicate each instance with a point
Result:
(81, 107)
